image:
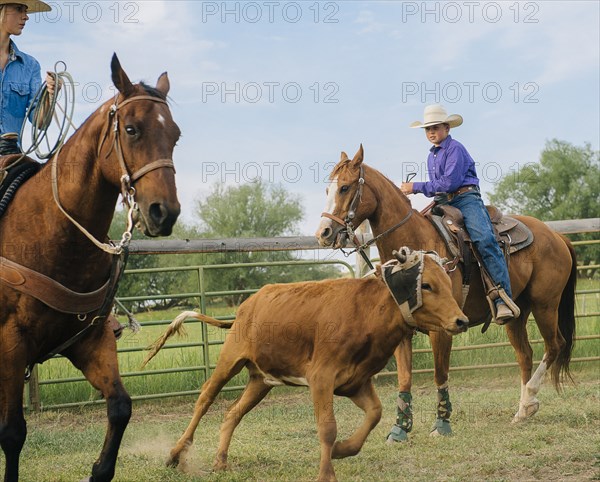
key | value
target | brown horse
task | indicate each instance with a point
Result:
(331, 336)
(542, 276)
(126, 145)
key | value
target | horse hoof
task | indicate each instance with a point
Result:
(441, 428)
(220, 466)
(173, 461)
(526, 411)
(397, 434)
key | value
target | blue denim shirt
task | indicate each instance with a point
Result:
(449, 166)
(19, 82)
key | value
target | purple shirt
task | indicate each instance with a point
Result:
(449, 167)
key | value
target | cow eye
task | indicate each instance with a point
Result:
(426, 287)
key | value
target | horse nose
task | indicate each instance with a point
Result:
(325, 233)
(462, 324)
(161, 215)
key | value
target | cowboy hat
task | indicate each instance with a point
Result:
(33, 6)
(436, 114)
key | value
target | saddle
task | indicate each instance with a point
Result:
(512, 235)
(15, 169)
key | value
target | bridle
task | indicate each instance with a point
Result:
(348, 224)
(119, 251)
(127, 180)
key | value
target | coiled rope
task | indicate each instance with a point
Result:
(64, 100)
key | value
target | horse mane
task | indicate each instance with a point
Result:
(339, 167)
(153, 91)
(345, 164)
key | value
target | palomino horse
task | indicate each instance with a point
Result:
(542, 277)
(330, 336)
(126, 145)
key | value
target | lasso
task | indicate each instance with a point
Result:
(42, 118)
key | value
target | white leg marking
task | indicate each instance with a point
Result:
(529, 404)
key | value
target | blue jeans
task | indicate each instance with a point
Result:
(479, 226)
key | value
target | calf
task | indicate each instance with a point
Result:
(331, 336)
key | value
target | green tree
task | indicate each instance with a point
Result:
(249, 211)
(565, 184)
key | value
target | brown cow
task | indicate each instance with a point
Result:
(331, 336)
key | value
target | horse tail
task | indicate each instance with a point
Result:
(176, 328)
(566, 323)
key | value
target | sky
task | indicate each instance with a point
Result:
(278, 89)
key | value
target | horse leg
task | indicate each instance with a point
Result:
(227, 367)
(441, 345)
(404, 415)
(254, 392)
(96, 357)
(367, 400)
(546, 317)
(322, 395)
(517, 334)
(13, 428)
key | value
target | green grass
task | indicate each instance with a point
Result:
(277, 441)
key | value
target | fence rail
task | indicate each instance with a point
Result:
(205, 344)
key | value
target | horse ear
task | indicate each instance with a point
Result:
(343, 157)
(358, 157)
(163, 85)
(119, 77)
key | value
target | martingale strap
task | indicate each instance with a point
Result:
(48, 291)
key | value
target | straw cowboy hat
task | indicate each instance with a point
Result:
(436, 114)
(33, 6)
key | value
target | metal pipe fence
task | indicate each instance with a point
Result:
(207, 346)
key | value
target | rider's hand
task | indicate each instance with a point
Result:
(50, 83)
(406, 188)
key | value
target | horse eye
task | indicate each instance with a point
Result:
(327, 191)
(130, 130)
(426, 287)
(344, 189)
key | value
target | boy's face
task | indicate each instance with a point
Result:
(437, 133)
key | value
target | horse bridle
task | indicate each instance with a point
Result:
(120, 251)
(127, 180)
(348, 224)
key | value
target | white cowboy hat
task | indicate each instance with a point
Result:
(436, 114)
(33, 6)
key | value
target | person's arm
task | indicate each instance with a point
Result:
(455, 169)
(45, 116)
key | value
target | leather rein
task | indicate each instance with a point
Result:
(54, 294)
(348, 224)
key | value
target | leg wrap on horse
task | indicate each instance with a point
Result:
(404, 418)
(444, 410)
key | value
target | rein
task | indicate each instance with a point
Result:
(119, 251)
